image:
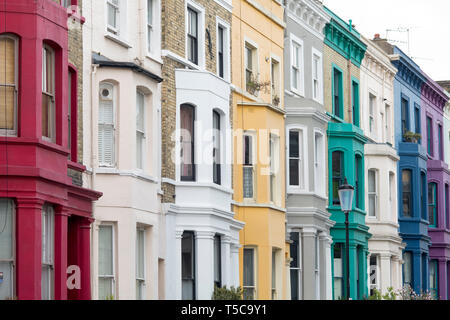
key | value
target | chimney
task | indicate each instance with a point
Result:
(377, 36)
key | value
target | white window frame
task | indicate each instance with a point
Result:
(112, 277)
(255, 272)
(252, 135)
(317, 265)
(200, 32)
(372, 114)
(388, 121)
(140, 163)
(141, 282)
(274, 156)
(303, 159)
(7, 132)
(115, 30)
(275, 272)
(45, 91)
(318, 54)
(320, 163)
(226, 48)
(295, 41)
(372, 193)
(48, 251)
(150, 24)
(12, 259)
(377, 284)
(275, 90)
(114, 88)
(299, 269)
(248, 43)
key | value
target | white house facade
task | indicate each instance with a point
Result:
(377, 122)
(308, 221)
(202, 236)
(122, 143)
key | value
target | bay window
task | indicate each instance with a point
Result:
(140, 263)
(407, 269)
(217, 156)
(48, 253)
(337, 175)
(296, 266)
(338, 275)
(48, 94)
(140, 130)
(8, 84)
(423, 195)
(434, 279)
(188, 257)
(7, 248)
(406, 193)
(106, 125)
(373, 273)
(249, 279)
(373, 193)
(319, 163)
(432, 204)
(296, 159)
(106, 272)
(187, 120)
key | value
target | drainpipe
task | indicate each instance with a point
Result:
(93, 149)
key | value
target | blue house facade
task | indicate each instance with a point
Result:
(412, 168)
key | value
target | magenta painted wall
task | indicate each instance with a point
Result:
(34, 172)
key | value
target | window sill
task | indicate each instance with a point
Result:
(76, 166)
(117, 40)
(154, 58)
(336, 118)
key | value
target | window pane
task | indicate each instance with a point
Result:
(337, 172)
(372, 181)
(140, 253)
(105, 250)
(6, 230)
(406, 181)
(217, 261)
(294, 179)
(7, 82)
(248, 182)
(249, 267)
(105, 288)
(187, 266)
(7, 106)
(187, 142)
(294, 144)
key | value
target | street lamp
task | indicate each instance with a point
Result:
(346, 199)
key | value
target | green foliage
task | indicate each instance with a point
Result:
(110, 297)
(227, 294)
(412, 136)
(405, 293)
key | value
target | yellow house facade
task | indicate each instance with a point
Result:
(259, 140)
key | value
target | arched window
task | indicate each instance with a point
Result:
(106, 125)
(187, 120)
(337, 174)
(8, 85)
(432, 204)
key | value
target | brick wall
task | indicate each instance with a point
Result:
(76, 59)
(173, 38)
(329, 57)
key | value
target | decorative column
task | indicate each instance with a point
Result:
(29, 249)
(177, 274)
(324, 246)
(385, 272)
(235, 281)
(328, 273)
(353, 272)
(226, 261)
(442, 279)
(204, 263)
(309, 247)
(61, 238)
(417, 271)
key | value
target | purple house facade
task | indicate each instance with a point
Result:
(438, 176)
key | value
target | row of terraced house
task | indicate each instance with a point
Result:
(157, 149)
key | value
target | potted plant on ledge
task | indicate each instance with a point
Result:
(254, 86)
(412, 137)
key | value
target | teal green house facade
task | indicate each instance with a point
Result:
(343, 54)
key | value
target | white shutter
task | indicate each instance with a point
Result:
(106, 126)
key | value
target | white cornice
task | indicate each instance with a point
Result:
(226, 4)
(308, 14)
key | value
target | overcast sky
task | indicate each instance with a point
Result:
(428, 21)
